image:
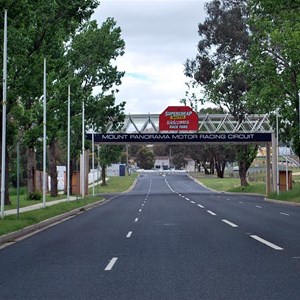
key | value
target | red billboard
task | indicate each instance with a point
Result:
(178, 118)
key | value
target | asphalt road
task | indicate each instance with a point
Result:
(169, 238)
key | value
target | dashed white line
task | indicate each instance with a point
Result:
(201, 206)
(241, 202)
(229, 223)
(143, 204)
(211, 212)
(140, 210)
(129, 234)
(111, 264)
(136, 219)
(193, 202)
(273, 246)
(258, 206)
(228, 199)
(285, 214)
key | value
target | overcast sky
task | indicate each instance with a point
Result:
(159, 36)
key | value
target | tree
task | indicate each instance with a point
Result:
(145, 158)
(108, 155)
(219, 66)
(274, 64)
(37, 29)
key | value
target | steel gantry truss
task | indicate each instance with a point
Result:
(209, 123)
(212, 128)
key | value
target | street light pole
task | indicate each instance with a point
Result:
(3, 165)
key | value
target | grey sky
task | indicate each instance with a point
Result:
(159, 35)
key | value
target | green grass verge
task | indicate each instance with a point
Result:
(12, 223)
(229, 184)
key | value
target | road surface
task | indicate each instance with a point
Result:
(169, 238)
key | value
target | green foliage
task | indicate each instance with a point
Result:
(145, 158)
(274, 63)
(35, 196)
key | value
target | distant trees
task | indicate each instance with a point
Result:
(145, 158)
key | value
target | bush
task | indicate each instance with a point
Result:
(35, 196)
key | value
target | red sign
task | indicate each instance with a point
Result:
(178, 118)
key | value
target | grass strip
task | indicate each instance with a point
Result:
(12, 223)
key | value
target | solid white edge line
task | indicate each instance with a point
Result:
(229, 223)
(129, 234)
(200, 205)
(211, 212)
(273, 246)
(111, 264)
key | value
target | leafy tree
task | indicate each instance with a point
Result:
(37, 29)
(219, 66)
(275, 67)
(145, 158)
(178, 160)
(108, 154)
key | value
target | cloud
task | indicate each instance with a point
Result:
(159, 37)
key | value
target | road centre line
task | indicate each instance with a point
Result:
(273, 246)
(136, 219)
(111, 264)
(201, 206)
(229, 223)
(129, 234)
(211, 212)
(285, 214)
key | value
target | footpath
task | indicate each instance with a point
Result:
(37, 206)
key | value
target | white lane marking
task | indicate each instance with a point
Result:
(273, 246)
(285, 214)
(228, 199)
(229, 223)
(258, 206)
(211, 212)
(200, 205)
(193, 202)
(111, 264)
(129, 234)
(187, 198)
(143, 204)
(140, 210)
(136, 219)
(241, 202)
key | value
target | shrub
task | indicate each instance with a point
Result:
(35, 196)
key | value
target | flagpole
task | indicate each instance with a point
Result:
(68, 159)
(44, 136)
(3, 165)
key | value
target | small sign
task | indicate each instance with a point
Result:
(178, 118)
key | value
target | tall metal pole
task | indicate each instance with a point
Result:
(44, 138)
(83, 156)
(18, 179)
(3, 165)
(277, 151)
(69, 132)
(93, 159)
